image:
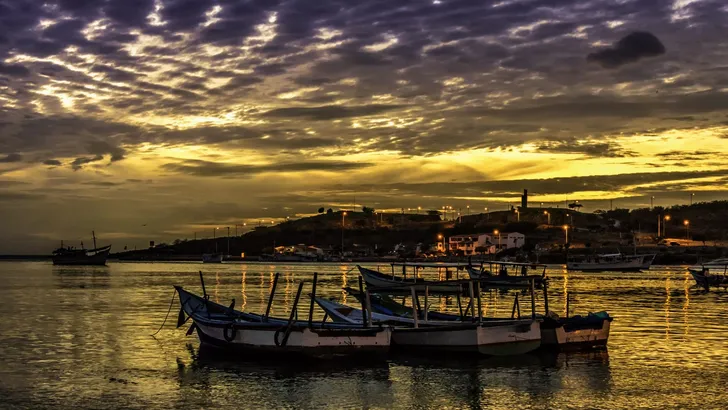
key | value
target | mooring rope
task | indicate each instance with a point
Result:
(168, 310)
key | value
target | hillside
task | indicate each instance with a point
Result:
(378, 234)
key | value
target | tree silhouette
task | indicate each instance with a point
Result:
(329, 211)
(321, 210)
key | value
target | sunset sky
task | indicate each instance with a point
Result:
(154, 119)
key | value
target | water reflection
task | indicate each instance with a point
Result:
(686, 305)
(81, 276)
(62, 343)
(667, 308)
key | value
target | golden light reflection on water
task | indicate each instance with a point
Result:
(217, 287)
(344, 282)
(82, 349)
(243, 274)
(287, 293)
(565, 279)
(667, 308)
(686, 287)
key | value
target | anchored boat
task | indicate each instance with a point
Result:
(492, 337)
(211, 258)
(615, 262)
(376, 279)
(223, 327)
(713, 273)
(73, 256)
(562, 333)
(508, 274)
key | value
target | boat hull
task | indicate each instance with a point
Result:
(490, 340)
(211, 258)
(98, 259)
(222, 327)
(380, 280)
(308, 342)
(624, 263)
(563, 338)
(705, 279)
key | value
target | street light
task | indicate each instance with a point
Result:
(496, 232)
(518, 215)
(664, 226)
(652, 202)
(548, 217)
(691, 198)
(687, 228)
(468, 209)
(566, 232)
(214, 233)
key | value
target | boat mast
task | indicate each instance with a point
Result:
(94, 236)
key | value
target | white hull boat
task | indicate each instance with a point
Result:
(612, 263)
(576, 332)
(223, 327)
(492, 337)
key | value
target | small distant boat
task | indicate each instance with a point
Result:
(713, 273)
(73, 256)
(615, 262)
(211, 258)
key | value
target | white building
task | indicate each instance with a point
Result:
(491, 243)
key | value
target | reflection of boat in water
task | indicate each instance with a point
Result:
(713, 273)
(211, 258)
(82, 256)
(614, 262)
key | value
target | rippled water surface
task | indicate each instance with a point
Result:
(80, 337)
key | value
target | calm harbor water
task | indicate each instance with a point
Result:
(80, 337)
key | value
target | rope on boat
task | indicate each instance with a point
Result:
(168, 310)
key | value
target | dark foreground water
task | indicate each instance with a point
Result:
(80, 338)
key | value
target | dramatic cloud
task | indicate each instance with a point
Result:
(629, 49)
(11, 158)
(271, 108)
(213, 169)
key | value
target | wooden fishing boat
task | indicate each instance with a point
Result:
(222, 327)
(492, 337)
(576, 332)
(72, 256)
(376, 279)
(616, 262)
(713, 273)
(211, 258)
(570, 333)
(508, 274)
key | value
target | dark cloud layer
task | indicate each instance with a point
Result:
(109, 88)
(214, 169)
(629, 49)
